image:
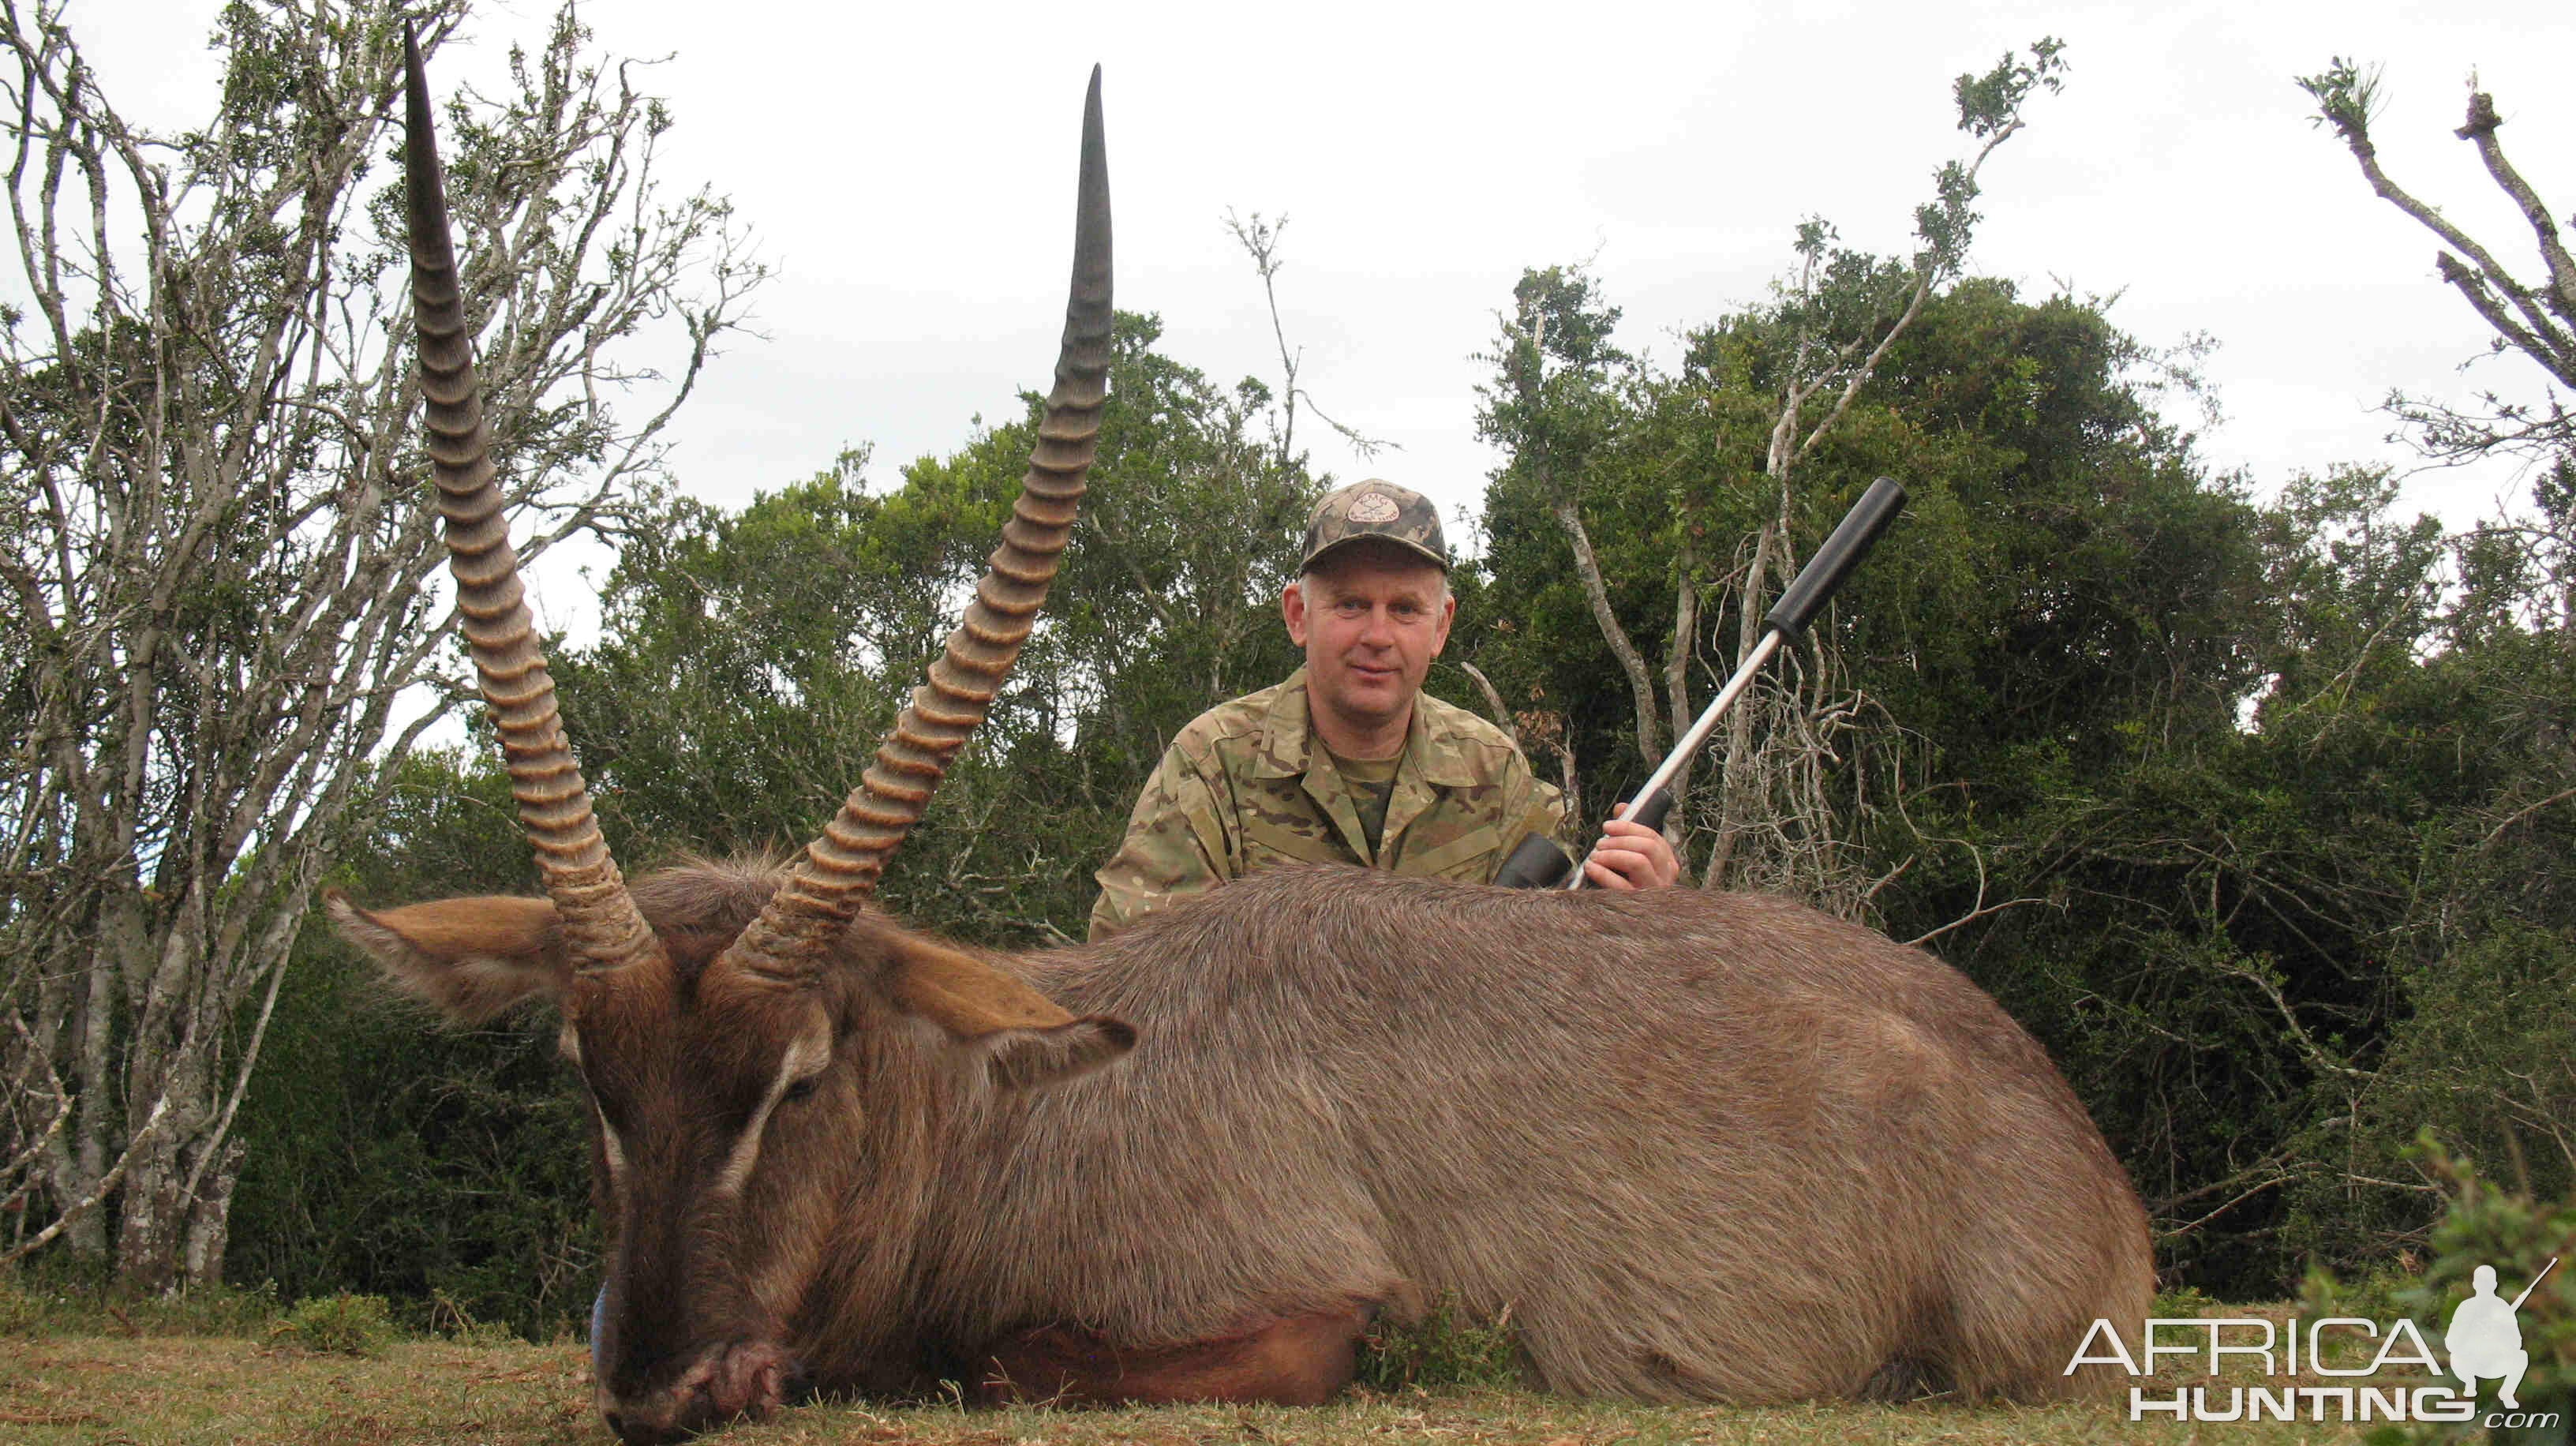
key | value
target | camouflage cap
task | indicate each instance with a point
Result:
(1375, 509)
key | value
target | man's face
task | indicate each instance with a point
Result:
(1378, 618)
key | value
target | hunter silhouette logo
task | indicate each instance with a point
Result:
(2483, 1341)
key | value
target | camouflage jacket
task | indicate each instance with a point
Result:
(1247, 784)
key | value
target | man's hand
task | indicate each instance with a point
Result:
(1630, 856)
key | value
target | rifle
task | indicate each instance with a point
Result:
(1537, 863)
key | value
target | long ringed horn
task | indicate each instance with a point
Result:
(839, 869)
(601, 924)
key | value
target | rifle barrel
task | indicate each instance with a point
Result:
(2535, 1283)
(1798, 605)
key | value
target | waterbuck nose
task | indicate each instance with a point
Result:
(739, 1379)
(647, 1427)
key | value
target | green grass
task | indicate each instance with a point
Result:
(233, 1368)
(71, 1390)
(40, 1303)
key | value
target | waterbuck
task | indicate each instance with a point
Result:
(1696, 1145)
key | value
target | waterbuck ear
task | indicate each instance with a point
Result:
(470, 958)
(1026, 1039)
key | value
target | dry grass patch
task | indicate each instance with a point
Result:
(94, 1391)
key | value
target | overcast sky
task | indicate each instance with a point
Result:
(909, 169)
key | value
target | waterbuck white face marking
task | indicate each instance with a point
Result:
(611, 1148)
(805, 1059)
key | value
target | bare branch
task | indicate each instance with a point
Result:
(1493, 702)
(1650, 734)
(1260, 241)
(2537, 321)
(2518, 815)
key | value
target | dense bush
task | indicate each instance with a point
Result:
(391, 1156)
(2480, 1223)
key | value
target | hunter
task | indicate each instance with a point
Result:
(1347, 761)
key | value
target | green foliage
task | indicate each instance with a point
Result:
(2062, 569)
(1763, 410)
(1992, 102)
(2483, 1059)
(1990, 111)
(388, 1155)
(2374, 1293)
(55, 1297)
(2347, 97)
(341, 1324)
(2184, 1302)
(449, 1317)
(1445, 1349)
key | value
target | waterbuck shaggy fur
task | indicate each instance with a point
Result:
(1701, 1145)
(1698, 1145)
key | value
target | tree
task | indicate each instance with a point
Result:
(1559, 391)
(2537, 319)
(212, 529)
(2439, 674)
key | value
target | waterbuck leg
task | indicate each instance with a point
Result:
(1300, 1360)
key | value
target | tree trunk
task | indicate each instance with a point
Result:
(97, 1106)
(147, 1236)
(210, 1219)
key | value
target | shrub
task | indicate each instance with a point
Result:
(2480, 1058)
(2184, 1302)
(343, 1324)
(209, 1310)
(449, 1317)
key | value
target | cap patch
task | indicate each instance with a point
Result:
(1380, 509)
(1374, 507)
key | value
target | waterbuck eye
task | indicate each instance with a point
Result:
(802, 1089)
